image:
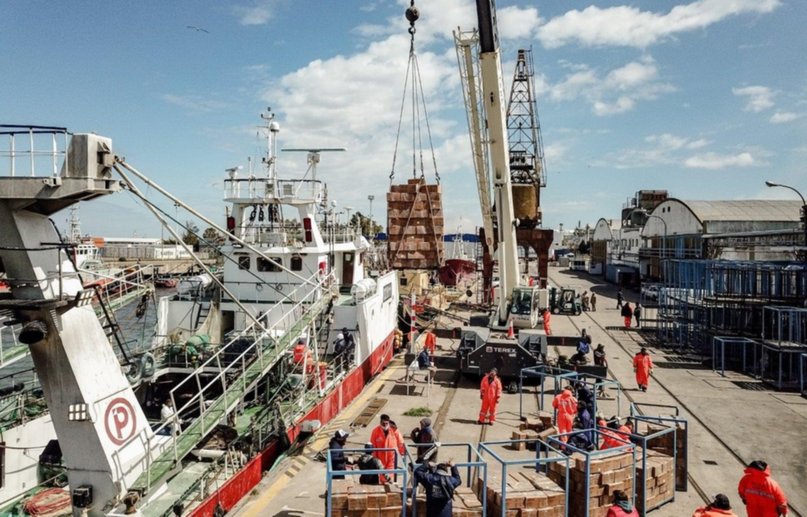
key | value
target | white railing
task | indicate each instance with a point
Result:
(35, 148)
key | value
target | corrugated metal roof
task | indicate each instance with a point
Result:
(746, 210)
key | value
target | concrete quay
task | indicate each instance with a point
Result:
(728, 426)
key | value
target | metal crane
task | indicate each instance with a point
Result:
(486, 96)
(484, 347)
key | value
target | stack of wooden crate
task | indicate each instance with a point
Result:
(465, 503)
(533, 428)
(528, 494)
(415, 225)
(608, 473)
(351, 499)
(659, 478)
(664, 444)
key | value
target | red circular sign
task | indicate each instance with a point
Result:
(120, 420)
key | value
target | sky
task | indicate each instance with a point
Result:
(704, 98)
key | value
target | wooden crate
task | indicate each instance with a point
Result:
(415, 225)
(529, 494)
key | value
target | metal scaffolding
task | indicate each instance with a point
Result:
(705, 306)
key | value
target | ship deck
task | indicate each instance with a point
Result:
(728, 424)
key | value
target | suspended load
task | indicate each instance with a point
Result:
(415, 209)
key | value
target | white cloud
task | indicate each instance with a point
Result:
(662, 149)
(631, 27)
(783, 117)
(714, 161)
(517, 23)
(616, 92)
(758, 98)
(258, 13)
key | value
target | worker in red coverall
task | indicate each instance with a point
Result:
(430, 342)
(720, 507)
(627, 314)
(566, 406)
(611, 438)
(643, 367)
(623, 507)
(490, 391)
(385, 437)
(762, 496)
(547, 327)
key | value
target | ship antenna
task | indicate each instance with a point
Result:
(273, 128)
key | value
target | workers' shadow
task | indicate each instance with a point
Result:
(463, 421)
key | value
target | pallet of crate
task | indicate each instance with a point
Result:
(664, 444)
(608, 473)
(351, 499)
(415, 225)
(659, 478)
(528, 494)
(465, 503)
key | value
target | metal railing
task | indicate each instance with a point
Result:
(40, 146)
(214, 399)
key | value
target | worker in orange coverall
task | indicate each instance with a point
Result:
(547, 327)
(385, 437)
(643, 367)
(566, 405)
(430, 342)
(490, 391)
(720, 507)
(762, 496)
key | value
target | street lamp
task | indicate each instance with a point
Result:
(803, 206)
(370, 198)
(664, 242)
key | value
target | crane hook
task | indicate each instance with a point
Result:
(412, 14)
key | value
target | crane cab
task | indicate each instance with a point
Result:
(525, 306)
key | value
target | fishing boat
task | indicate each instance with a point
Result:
(252, 357)
(459, 266)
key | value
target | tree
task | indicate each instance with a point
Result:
(368, 227)
(212, 236)
(190, 236)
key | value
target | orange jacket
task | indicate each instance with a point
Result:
(380, 440)
(491, 391)
(565, 403)
(430, 342)
(713, 512)
(763, 497)
(642, 364)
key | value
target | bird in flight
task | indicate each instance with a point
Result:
(198, 29)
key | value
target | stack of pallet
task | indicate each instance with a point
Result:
(659, 478)
(528, 494)
(538, 428)
(465, 504)
(664, 444)
(351, 499)
(608, 473)
(415, 225)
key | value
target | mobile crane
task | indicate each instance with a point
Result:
(486, 345)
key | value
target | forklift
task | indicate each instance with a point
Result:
(564, 300)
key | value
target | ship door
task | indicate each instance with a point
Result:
(347, 269)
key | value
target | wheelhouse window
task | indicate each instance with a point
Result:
(244, 262)
(296, 263)
(266, 266)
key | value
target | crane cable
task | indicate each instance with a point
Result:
(412, 16)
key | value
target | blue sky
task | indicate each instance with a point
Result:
(704, 98)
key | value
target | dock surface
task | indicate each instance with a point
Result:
(731, 420)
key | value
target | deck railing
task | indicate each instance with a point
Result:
(33, 150)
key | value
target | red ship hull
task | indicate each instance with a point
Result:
(455, 270)
(238, 486)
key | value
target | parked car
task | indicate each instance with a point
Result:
(650, 291)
